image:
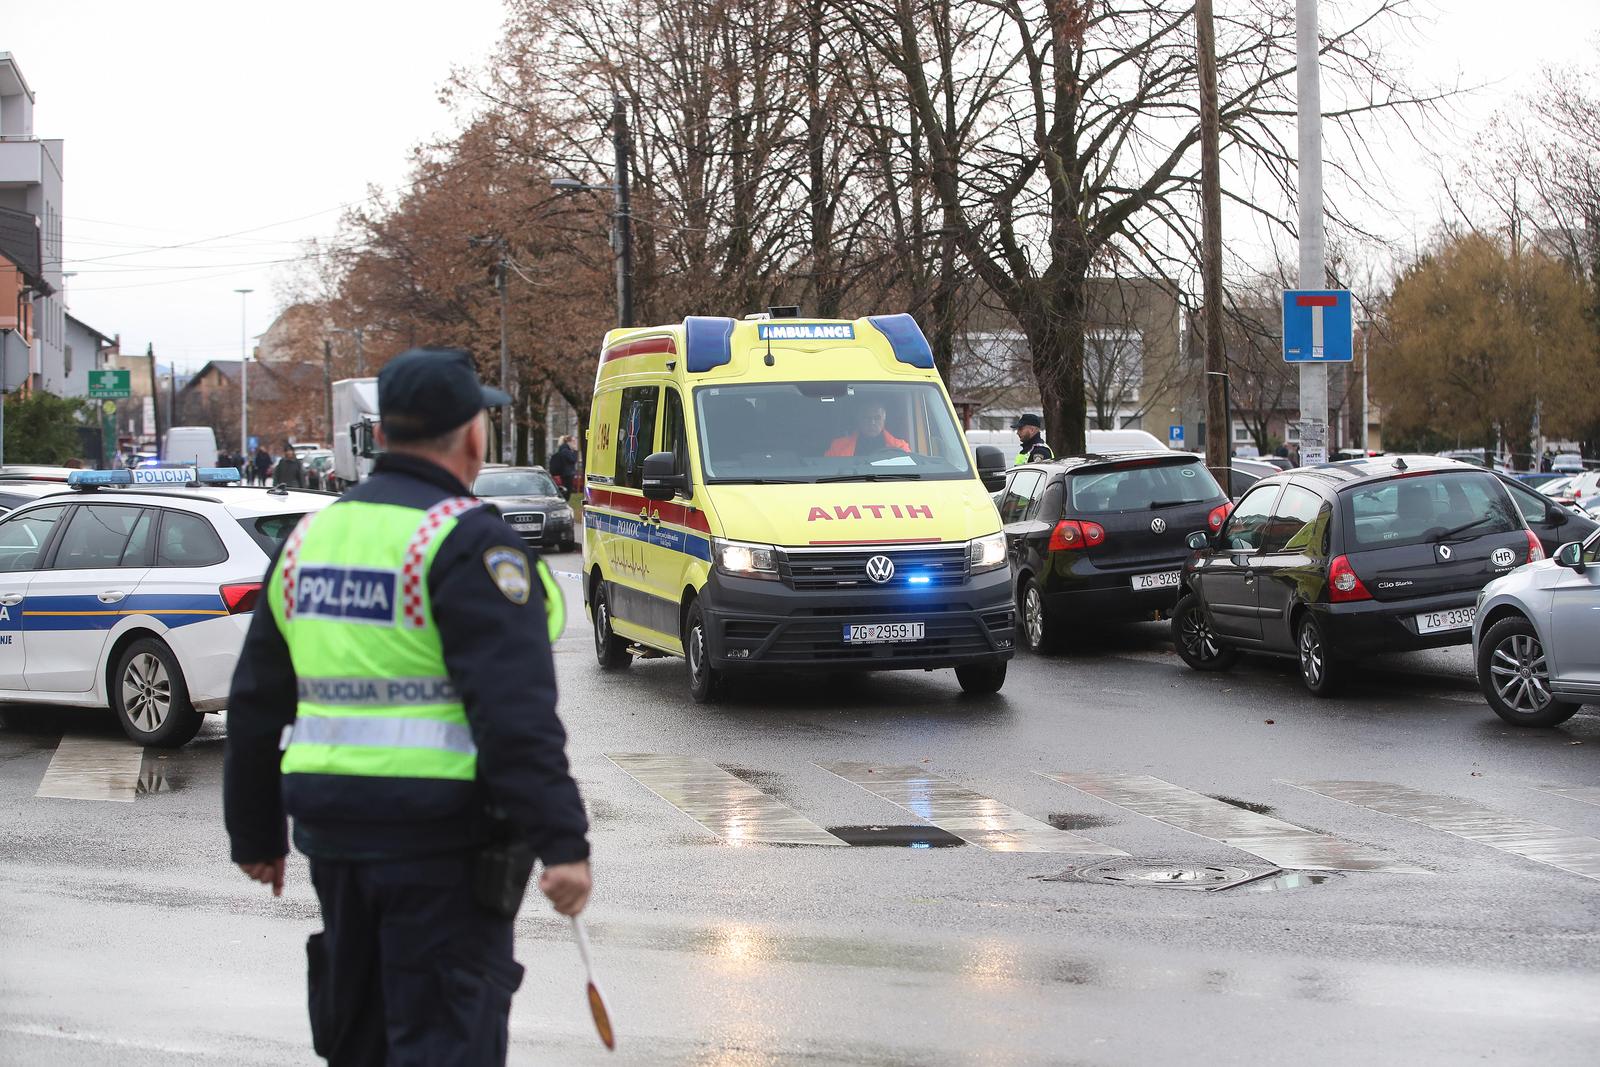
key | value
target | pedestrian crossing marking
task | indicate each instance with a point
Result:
(1474, 822)
(973, 817)
(1280, 843)
(1589, 794)
(733, 809)
(93, 768)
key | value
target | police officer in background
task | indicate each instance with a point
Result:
(1030, 431)
(401, 660)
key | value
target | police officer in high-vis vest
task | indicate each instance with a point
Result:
(396, 698)
(1030, 432)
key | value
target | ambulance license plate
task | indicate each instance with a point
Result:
(879, 633)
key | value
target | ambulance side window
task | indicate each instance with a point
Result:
(636, 433)
(674, 435)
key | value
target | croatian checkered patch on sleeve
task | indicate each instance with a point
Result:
(509, 569)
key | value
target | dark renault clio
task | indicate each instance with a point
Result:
(1097, 539)
(1348, 559)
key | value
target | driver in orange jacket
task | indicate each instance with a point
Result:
(870, 435)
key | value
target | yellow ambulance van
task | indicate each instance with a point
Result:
(778, 492)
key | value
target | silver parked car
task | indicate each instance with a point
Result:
(1536, 638)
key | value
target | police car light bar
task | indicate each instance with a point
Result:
(154, 476)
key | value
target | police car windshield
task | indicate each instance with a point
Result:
(513, 483)
(828, 431)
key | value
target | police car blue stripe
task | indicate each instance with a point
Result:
(649, 533)
(86, 612)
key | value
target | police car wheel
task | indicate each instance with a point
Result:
(981, 678)
(610, 650)
(150, 697)
(1198, 645)
(705, 681)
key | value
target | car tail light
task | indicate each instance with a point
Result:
(1343, 585)
(1072, 534)
(1535, 549)
(1219, 515)
(241, 598)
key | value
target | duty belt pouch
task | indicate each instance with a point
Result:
(500, 873)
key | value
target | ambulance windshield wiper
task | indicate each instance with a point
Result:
(869, 478)
(760, 481)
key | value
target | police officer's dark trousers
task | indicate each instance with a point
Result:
(408, 970)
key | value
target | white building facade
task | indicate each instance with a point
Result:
(31, 181)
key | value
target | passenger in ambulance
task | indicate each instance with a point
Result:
(870, 435)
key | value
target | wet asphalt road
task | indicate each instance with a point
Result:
(127, 938)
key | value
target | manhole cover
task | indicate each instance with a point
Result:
(1162, 875)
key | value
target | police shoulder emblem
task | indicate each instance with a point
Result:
(509, 569)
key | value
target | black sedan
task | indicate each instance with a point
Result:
(1342, 560)
(530, 502)
(1553, 524)
(1096, 539)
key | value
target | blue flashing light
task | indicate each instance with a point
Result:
(918, 579)
(905, 337)
(709, 341)
(154, 476)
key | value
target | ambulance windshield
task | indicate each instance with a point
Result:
(828, 431)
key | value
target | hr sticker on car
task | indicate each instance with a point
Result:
(1503, 557)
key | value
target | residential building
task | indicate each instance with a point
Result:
(21, 276)
(287, 400)
(31, 182)
(295, 336)
(83, 349)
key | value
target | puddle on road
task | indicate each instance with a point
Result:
(1073, 820)
(159, 773)
(1288, 880)
(1259, 809)
(896, 836)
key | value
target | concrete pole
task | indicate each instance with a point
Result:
(1219, 426)
(624, 150)
(244, 379)
(505, 364)
(1366, 372)
(1313, 255)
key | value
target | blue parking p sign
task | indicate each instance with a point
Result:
(1317, 326)
(1174, 436)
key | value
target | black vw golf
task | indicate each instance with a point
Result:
(1347, 559)
(1096, 539)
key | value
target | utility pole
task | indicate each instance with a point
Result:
(623, 234)
(1219, 424)
(244, 379)
(327, 383)
(5, 343)
(505, 360)
(155, 394)
(1313, 272)
(172, 397)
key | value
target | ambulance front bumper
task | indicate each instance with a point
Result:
(754, 623)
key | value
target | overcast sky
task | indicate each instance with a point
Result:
(237, 130)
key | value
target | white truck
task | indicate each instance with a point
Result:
(355, 421)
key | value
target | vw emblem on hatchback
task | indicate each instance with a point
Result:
(1503, 557)
(1158, 525)
(880, 569)
(1445, 553)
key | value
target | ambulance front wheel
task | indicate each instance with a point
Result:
(705, 681)
(150, 697)
(609, 649)
(979, 678)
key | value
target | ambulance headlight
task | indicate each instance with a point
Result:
(742, 560)
(986, 553)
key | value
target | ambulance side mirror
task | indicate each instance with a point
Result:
(991, 467)
(660, 480)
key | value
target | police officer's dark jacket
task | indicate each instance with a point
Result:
(497, 655)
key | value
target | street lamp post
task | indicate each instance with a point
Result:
(622, 218)
(244, 376)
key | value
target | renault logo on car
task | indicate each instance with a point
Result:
(1158, 525)
(880, 569)
(1444, 552)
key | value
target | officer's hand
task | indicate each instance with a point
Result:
(567, 885)
(269, 873)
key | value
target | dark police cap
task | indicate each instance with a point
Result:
(424, 392)
(1027, 420)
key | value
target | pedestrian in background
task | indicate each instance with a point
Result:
(1030, 434)
(262, 465)
(400, 660)
(289, 470)
(563, 465)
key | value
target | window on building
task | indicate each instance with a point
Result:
(1242, 435)
(66, 360)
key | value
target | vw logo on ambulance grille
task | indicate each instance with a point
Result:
(1158, 525)
(880, 569)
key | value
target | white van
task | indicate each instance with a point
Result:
(1098, 442)
(190, 446)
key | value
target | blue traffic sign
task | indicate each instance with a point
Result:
(1317, 326)
(1174, 436)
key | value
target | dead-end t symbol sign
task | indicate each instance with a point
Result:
(1317, 326)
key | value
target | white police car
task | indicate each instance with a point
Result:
(133, 590)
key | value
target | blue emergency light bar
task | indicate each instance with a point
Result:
(154, 476)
